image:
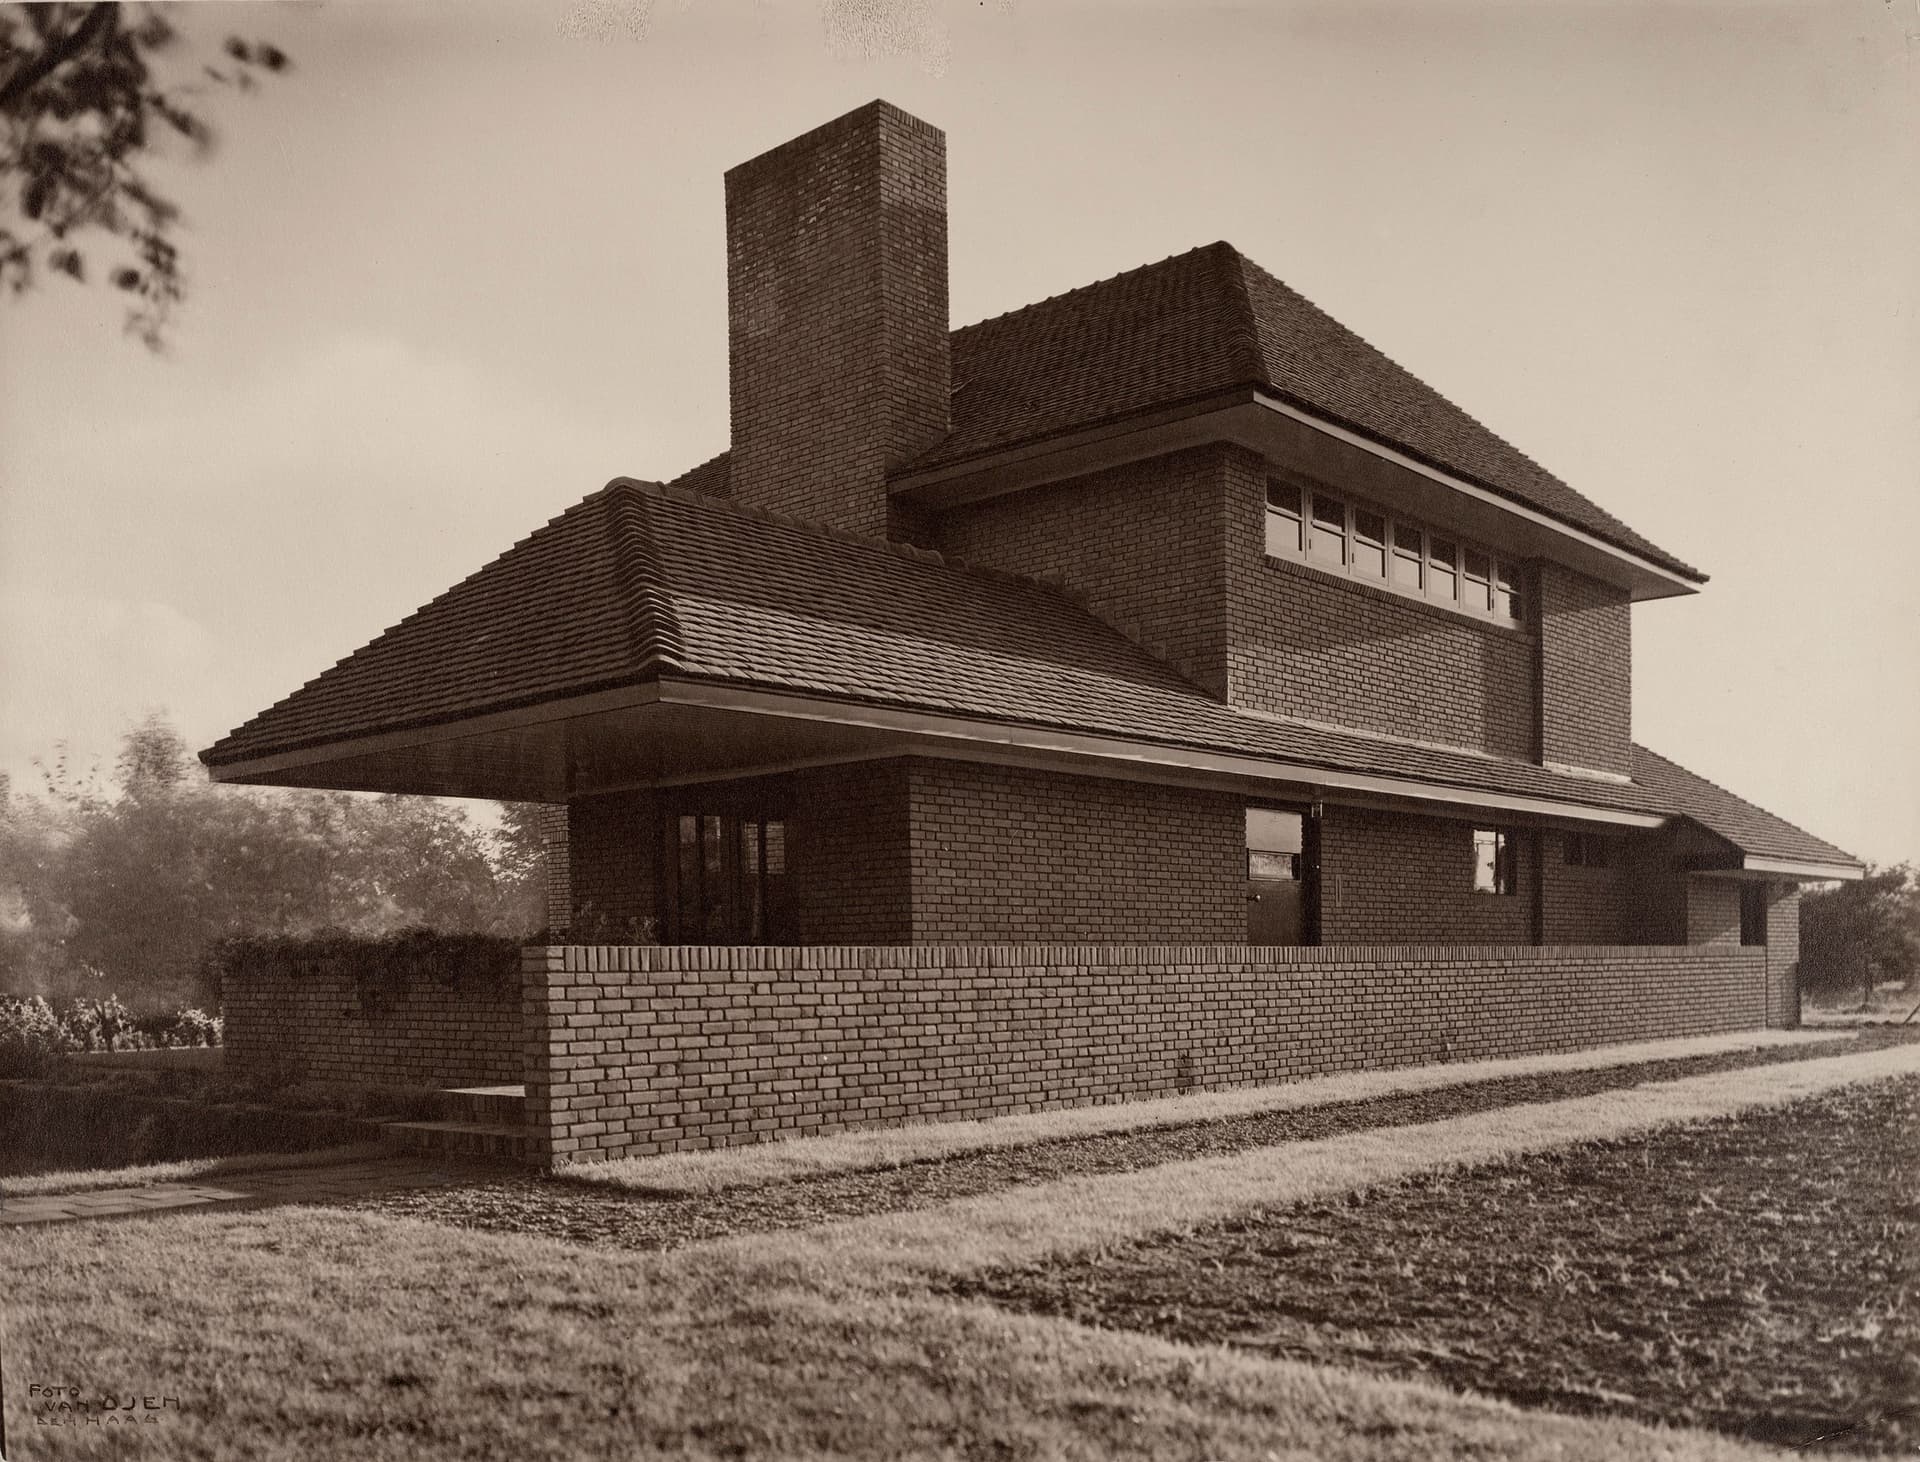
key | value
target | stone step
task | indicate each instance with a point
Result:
(487, 1106)
(467, 1139)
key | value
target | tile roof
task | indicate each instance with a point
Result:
(1208, 321)
(1753, 830)
(639, 580)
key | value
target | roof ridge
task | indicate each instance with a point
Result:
(1727, 792)
(1249, 357)
(653, 630)
(1090, 285)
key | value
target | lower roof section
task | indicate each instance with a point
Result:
(673, 732)
(652, 633)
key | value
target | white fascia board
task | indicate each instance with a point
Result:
(1681, 584)
(1122, 752)
(1822, 872)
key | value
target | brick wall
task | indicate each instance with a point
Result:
(1307, 643)
(634, 1051)
(1713, 910)
(1007, 854)
(1582, 905)
(1142, 544)
(1387, 877)
(613, 847)
(838, 358)
(1783, 955)
(321, 1019)
(556, 870)
(1586, 672)
(850, 864)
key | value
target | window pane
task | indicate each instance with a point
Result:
(1476, 581)
(1406, 556)
(689, 870)
(1329, 529)
(1273, 832)
(1506, 590)
(1283, 497)
(776, 847)
(713, 880)
(1369, 544)
(1273, 865)
(1442, 556)
(750, 888)
(1283, 534)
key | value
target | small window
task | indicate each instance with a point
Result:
(1476, 581)
(1407, 553)
(1506, 590)
(1493, 861)
(1369, 544)
(1329, 529)
(1753, 913)
(1284, 528)
(1589, 850)
(1443, 560)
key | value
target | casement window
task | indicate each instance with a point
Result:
(1589, 850)
(1493, 861)
(1286, 530)
(726, 878)
(1311, 526)
(1753, 913)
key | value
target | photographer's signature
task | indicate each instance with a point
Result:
(74, 1406)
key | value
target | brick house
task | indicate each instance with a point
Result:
(1163, 615)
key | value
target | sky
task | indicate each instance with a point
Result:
(465, 263)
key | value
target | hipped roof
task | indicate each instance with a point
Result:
(641, 581)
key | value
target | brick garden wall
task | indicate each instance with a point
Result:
(633, 1051)
(325, 1018)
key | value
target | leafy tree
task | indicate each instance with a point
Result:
(82, 103)
(121, 890)
(1861, 932)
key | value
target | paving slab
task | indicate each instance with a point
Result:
(247, 1190)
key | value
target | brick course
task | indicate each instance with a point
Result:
(316, 1020)
(632, 1051)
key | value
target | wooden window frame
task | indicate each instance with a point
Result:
(1502, 569)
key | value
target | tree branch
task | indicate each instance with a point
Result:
(97, 22)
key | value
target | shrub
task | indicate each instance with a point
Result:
(32, 1037)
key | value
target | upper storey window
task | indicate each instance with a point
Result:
(1321, 528)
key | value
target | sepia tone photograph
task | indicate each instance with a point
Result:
(1009, 729)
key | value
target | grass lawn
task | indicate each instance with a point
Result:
(311, 1333)
(1757, 1275)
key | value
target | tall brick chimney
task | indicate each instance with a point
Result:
(837, 315)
